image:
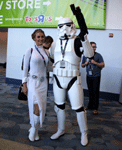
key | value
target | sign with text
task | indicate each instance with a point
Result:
(46, 13)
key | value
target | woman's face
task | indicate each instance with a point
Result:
(39, 38)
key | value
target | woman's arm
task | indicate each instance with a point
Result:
(25, 70)
(26, 65)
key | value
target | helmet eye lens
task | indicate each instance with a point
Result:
(60, 26)
(68, 25)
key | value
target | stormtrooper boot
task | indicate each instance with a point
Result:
(33, 135)
(61, 123)
(82, 122)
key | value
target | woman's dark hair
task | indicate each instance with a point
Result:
(48, 39)
(34, 33)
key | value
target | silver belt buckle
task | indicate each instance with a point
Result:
(34, 77)
(42, 79)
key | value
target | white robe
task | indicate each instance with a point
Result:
(37, 90)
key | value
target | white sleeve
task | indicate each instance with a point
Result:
(26, 65)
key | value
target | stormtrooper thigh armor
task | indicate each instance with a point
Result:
(75, 92)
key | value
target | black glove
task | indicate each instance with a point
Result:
(81, 21)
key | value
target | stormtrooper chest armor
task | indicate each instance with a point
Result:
(72, 61)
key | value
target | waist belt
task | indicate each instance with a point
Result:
(66, 73)
(37, 78)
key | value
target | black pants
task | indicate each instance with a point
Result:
(93, 84)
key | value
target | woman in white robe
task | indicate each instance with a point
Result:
(35, 83)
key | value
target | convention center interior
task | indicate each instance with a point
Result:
(60, 75)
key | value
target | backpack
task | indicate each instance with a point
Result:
(29, 61)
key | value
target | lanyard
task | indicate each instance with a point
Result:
(40, 54)
(90, 61)
(90, 64)
(63, 50)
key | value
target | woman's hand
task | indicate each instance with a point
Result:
(25, 89)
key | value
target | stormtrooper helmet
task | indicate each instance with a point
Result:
(66, 28)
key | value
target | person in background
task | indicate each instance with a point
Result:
(93, 69)
(47, 42)
(35, 83)
(46, 45)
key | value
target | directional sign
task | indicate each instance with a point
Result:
(46, 13)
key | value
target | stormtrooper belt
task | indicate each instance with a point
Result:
(65, 73)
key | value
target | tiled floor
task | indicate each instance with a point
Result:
(105, 129)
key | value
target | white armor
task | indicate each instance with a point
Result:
(72, 61)
(67, 77)
(88, 51)
(70, 55)
(66, 26)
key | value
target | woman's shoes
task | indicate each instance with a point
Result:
(95, 112)
(33, 134)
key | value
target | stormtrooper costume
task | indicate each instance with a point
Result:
(67, 56)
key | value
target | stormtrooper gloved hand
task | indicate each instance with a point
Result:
(81, 21)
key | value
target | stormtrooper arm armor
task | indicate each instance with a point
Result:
(88, 51)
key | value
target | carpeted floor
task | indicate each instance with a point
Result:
(105, 129)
